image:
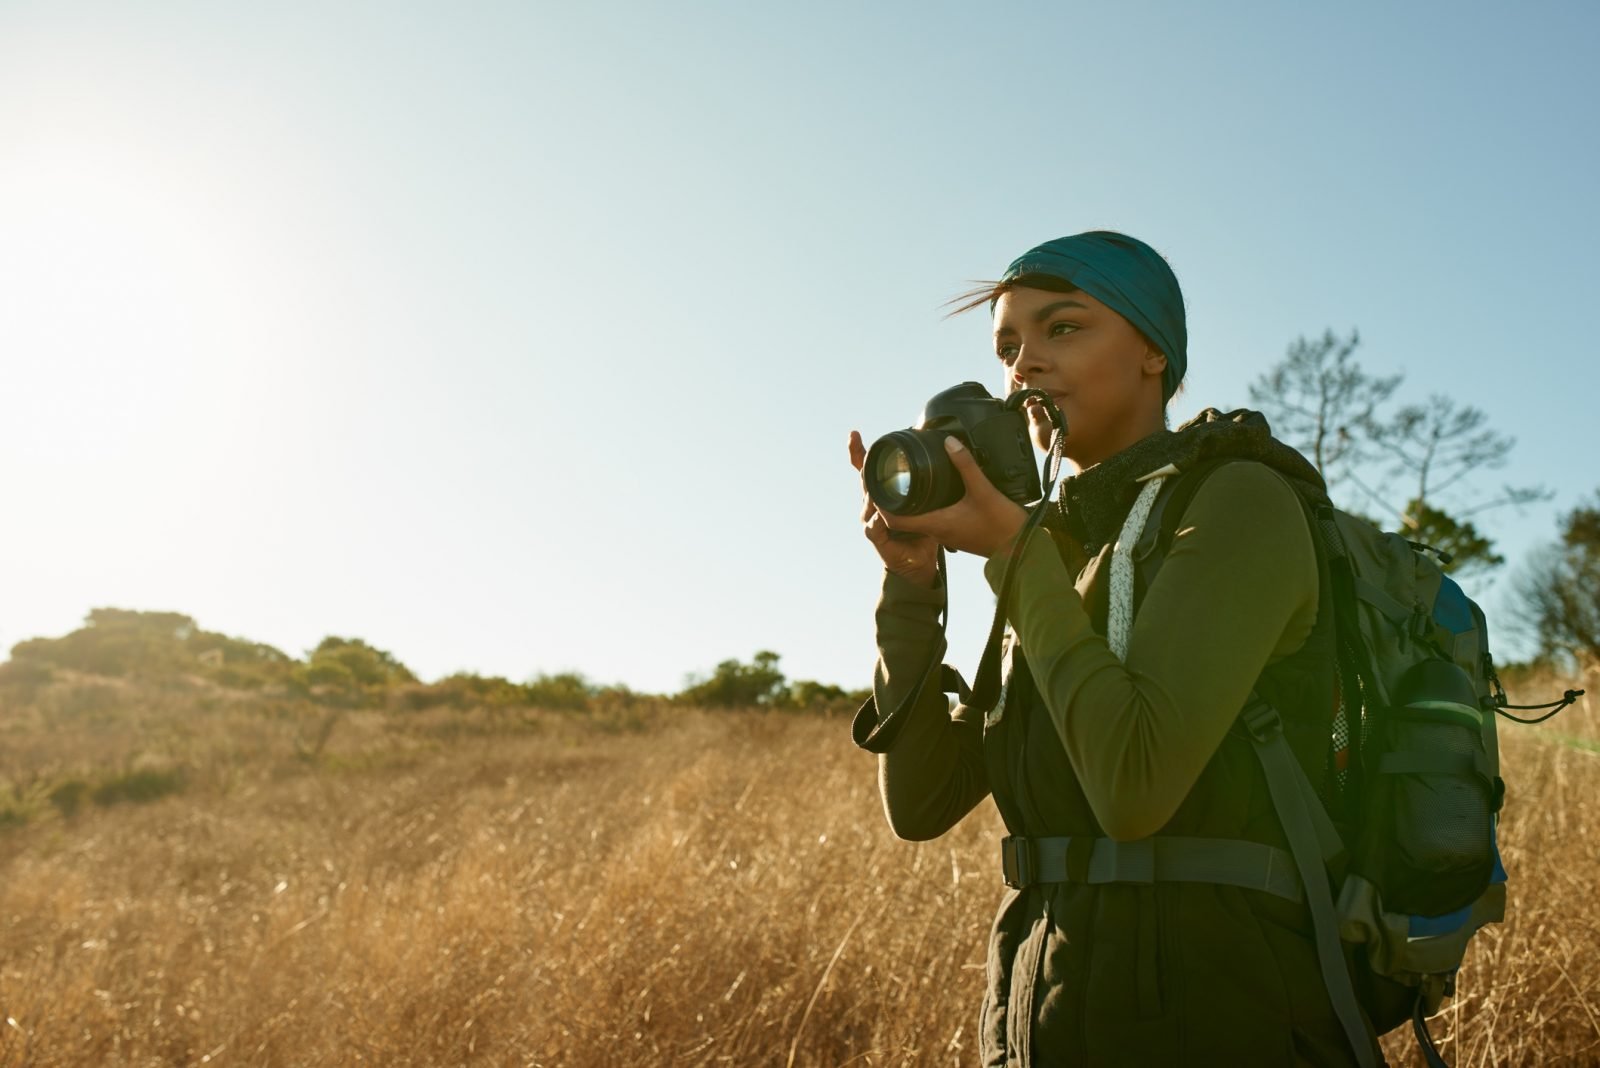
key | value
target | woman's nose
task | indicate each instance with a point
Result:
(1029, 365)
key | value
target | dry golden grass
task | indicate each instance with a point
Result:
(681, 888)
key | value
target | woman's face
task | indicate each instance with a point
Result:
(1103, 375)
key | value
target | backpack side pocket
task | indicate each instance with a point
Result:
(1430, 810)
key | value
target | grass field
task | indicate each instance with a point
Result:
(193, 876)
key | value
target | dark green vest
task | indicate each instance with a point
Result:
(1159, 973)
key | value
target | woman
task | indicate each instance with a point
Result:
(1117, 719)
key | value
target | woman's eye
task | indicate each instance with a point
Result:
(1057, 329)
(1006, 352)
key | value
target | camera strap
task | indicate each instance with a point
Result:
(986, 684)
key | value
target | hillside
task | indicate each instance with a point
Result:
(255, 879)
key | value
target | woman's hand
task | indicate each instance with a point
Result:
(914, 557)
(983, 522)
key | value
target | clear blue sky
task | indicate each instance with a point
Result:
(526, 337)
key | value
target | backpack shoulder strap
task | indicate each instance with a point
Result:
(1315, 846)
(1165, 515)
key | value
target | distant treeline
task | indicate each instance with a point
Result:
(348, 672)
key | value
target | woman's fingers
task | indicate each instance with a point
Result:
(877, 532)
(908, 555)
(858, 457)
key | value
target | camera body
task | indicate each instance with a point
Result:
(908, 471)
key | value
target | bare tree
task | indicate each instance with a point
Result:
(1440, 444)
(1558, 591)
(1436, 448)
(1322, 401)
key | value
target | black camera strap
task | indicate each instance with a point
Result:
(986, 684)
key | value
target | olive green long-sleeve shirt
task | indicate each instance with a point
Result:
(1237, 591)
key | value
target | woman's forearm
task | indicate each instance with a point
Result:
(930, 766)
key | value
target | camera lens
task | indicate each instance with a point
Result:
(893, 472)
(908, 472)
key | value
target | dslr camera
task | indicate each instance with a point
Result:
(908, 472)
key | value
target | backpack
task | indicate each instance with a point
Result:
(1413, 764)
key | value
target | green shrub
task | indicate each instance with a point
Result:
(465, 689)
(736, 685)
(123, 642)
(810, 695)
(138, 787)
(26, 674)
(367, 665)
(565, 690)
(348, 671)
(68, 796)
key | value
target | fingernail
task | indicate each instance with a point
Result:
(952, 445)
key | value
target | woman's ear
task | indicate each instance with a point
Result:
(1155, 362)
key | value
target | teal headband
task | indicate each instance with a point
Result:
(1127, 276)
